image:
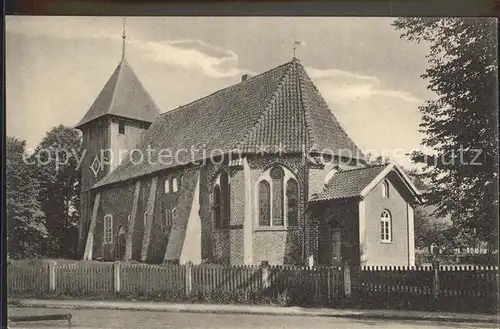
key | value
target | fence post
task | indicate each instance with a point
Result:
(265, 274)
(52, 276)
(189, 278)
(347, 283)
(435, 282)
(116, 277)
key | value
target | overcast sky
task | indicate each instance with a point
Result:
(56, 66)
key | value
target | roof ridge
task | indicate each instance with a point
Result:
(268, 106)
(181, 107)
(362, 168)
(307, 117)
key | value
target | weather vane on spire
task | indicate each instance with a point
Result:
(124, 36)
(295, 44)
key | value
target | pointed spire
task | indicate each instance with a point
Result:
(124, 36)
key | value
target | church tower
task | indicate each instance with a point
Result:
(122, 111)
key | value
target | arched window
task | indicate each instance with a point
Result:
(174, 216)
(385, 227)
(174, 184)
(385, 189)
(221, 201)
(225, 199)
(264, 203)
(145, 219)
(167, 186)
(292, 191)
(108, 228)
(168, 217)
(216, 207)
(277, 176)
(181, 181)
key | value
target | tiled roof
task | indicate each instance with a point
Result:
(279, 110)
(123, 95)
(349, 183)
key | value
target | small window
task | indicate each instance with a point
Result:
(167, 186)
(121, 127)
(174, 185)
(128, 220)
(145, 218)
(108, 228)
(168, 217)
(385, 189)
(385, 227)
(181, 178)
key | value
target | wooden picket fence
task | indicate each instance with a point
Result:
(452, 288)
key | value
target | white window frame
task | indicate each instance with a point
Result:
(108, 229)
(386, 226)
(385, 189)
(266, 175)
(174, 185)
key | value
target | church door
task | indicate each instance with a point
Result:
(336, 246)
(120, 243)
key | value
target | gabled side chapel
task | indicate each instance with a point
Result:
(296, 187)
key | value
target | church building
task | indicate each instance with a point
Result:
(258, 171)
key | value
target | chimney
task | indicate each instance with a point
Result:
(245, 77)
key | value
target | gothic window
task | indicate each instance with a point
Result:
(217, 207)
(385, 227)
(174, 216)
(168, 217)
(385, 189)
(174, 184)
(167, 186)
(221, 201)
(277, 176)
(225, 198)
(292, 198)
(264, 203)
(278, 198)
(108, 228)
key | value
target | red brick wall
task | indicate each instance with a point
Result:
(279, 245)
(116, 201)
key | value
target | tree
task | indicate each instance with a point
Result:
(25, 220)
(376, 159)
(59, 174)
(460, 125)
